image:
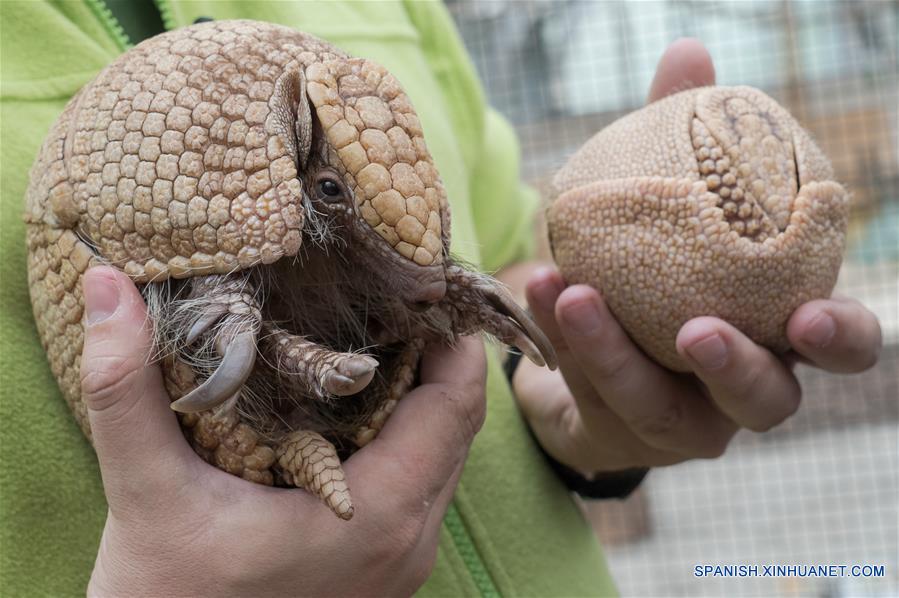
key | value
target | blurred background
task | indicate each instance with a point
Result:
(824, 487)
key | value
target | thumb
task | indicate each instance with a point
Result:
(133, 428)
(685, 64)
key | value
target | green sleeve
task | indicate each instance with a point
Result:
(32, 68)
(51, 503)
(502, 206)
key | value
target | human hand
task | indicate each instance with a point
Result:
(178, 526)
(610, 407)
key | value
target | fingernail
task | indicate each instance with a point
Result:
(583, 318)
(820, 331)
(710, 352)
(101, 299)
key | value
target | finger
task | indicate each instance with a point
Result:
(434, 522)
(428, 436)
(584, 434)
(685, 64)
(601, 443)
(132, 427)
(665, 411)
(429, 535)
(838, 335)
(747, 382)
(542, 291)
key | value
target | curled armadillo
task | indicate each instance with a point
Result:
(275, 201)
(711, 202)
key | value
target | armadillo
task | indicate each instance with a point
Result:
(710, 202)
(276, 203)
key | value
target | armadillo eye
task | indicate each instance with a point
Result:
(329, 188)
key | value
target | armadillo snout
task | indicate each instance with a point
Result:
(422, 297)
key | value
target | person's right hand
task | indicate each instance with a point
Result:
(178, 526)
(610, 407)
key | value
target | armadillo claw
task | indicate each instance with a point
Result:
(523, 343)
(205, 322)
(309, 461)
(323, 372)
(350, 375)
(517, 328)
(236, 366)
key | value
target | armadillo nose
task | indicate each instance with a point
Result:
(428, 294)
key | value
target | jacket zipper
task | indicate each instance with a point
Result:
(110, 23)
(469, 552)
(165, 11)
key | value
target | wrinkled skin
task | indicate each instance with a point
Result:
(276, 200)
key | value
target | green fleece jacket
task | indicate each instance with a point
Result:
(512, 528)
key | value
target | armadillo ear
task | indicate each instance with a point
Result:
(303, 124)
(290, 105)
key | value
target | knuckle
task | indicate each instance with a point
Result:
(869, 351)
(763, 426)
(717, 441)
(714, 451)
(716, 448)
(746, 380)
(398, 542)
(407, 539)
(793, 399)
(787, 405)
(106, 378)
(468, 403)
(568, 418)
(613, 363)
(409, 504)
(868, 360)
(661, 423)
(422, 568)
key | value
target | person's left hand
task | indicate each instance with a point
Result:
(609, 407)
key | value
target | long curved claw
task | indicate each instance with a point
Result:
(236, 366)
(350, 376)
(524, 344)
(203, 324)
(528, 338)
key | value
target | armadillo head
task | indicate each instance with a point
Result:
(367, 167)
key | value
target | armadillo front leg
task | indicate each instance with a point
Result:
(478, 302)
(309, 461)
(216, 323)
(321, 372)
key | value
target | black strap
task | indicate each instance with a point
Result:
(614, 484)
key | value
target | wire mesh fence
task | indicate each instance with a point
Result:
(823, 488)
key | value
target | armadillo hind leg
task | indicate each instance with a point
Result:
(403, 380)
(309, 461)
(213, 327)
(223, 440)
(323, 373)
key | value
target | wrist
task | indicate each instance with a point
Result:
(590, 481)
